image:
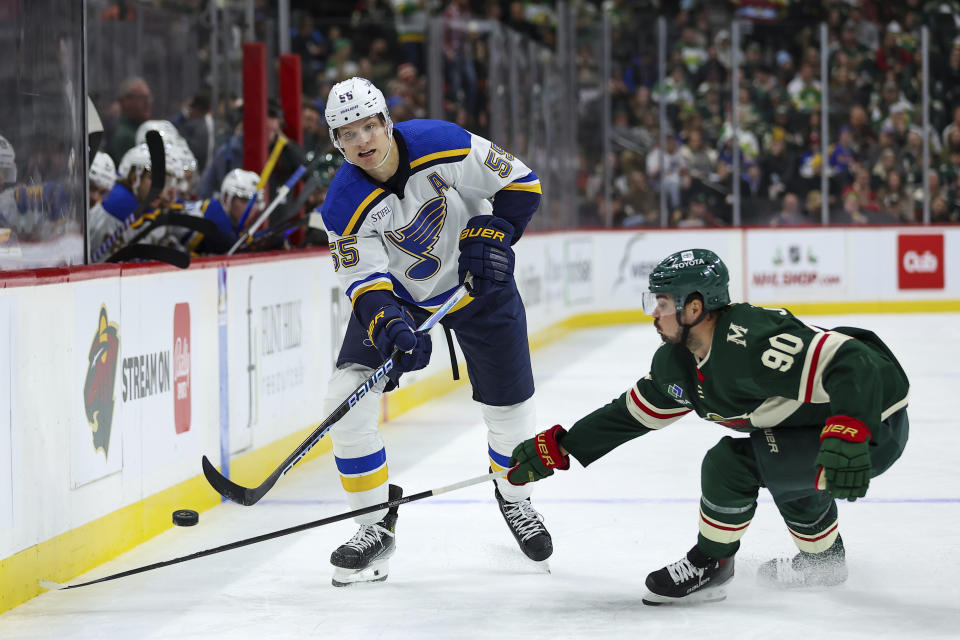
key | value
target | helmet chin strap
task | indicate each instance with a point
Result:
(389, 147)
(686, 327)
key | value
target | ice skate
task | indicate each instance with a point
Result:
(693, 579)
(365, 557)
(526, 525)
(825, 569)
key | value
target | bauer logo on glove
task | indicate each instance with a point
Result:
(844, 458)
(536, 458)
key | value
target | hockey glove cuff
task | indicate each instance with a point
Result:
(486, 254)
(844, 458)
(536, 458)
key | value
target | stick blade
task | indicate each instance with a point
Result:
(226, 488)
(158, 253)
(158, 162)
(50, 585)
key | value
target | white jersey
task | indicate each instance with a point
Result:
(409, 245)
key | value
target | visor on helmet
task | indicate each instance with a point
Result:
(658, 302)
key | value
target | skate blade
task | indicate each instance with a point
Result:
(50, 585)
(376, 572)
(541, 565)
(712, 594)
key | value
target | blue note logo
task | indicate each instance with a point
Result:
(419, 237)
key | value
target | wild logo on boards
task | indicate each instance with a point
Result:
(101, 373)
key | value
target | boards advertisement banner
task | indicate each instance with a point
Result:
(275, 318)
(157, 386)
(623, 261)
(920, 261)
(797, 266)
(96, 438)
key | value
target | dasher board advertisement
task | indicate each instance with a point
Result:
(96, 441)
(798, 266)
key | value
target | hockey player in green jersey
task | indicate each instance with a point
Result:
(824, 410)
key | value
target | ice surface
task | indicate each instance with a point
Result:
(458, 573)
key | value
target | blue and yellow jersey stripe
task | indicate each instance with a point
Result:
(438, 157)
(373, 282)
(349, 200)
(431, 142)
(529, 183)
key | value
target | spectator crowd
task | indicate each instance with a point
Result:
(874, 161)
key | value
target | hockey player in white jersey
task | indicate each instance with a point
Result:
(416, 207)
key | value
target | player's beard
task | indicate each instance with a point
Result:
(672, 339)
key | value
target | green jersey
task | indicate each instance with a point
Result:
(765, 369)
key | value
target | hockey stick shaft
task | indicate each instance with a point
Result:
(264, 177)
(249, 496)
(280, 199)
(168, 219)
(285, 532)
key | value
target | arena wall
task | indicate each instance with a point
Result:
(115, 380)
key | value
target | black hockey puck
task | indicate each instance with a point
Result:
(185, 517)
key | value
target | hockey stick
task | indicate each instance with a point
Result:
(264, 177)
(158, 179)
(288, 221)
(249, 496)
(48, 584)
(155, 252)
(168, 219)
(280, 199)
(135, 250)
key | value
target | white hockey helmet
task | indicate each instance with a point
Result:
(165, 128)
(355, 99)
(103, 172)
(183, 162)
(136, 159)
(239, 184)
(8, 162)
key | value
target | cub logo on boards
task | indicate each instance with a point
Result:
(181, 367)
(920, 260)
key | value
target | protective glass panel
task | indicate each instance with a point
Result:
(41, 125)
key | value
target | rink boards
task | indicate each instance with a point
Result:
(117, 379)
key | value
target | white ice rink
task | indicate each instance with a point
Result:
(458, 573)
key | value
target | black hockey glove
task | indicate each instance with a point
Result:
(393, 327)
(536, 458)
(486, 254)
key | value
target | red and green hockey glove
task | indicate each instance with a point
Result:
(536, 458)
(844, 458)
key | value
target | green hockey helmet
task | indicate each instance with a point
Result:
(687, 272)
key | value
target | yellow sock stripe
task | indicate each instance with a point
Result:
(495, 466)
(356, 484)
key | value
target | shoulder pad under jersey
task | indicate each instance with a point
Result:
(433, 142)
(349, 199)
